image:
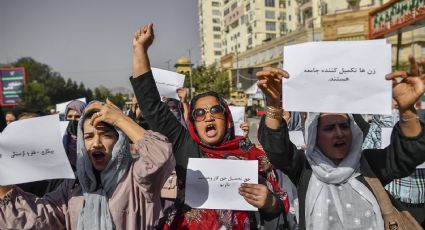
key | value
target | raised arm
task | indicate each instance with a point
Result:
(270, 82)
(407, 147)
(182, 93)
(273, 131)
(156, 113)
(142, 40)
(406, 93)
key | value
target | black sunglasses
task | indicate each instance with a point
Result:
(216, 111)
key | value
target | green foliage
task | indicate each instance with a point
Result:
(34, 96)
(209, 78)
(45, 88)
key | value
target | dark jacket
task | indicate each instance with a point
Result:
(398, 160)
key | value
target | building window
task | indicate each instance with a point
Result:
(289, 2)
(217, 45)
(226, 11)
(217, 53)
(270, 36)
(217, 36)
(234, 5)
(248, 7)
(271, 26)
(289, 17)
(216, 12)
(216, 20)
(269, 3)
(216, 28)
(215, 3)
(270, 14)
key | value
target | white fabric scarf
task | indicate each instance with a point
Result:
(328, 178)
(95, 213)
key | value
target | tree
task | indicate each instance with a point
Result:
(34, 96)
(47, 88)
(209, 78)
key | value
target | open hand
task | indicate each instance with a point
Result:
(105, 112)
(270, 82)
(412, 86)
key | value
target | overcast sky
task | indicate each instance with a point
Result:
(90, 40)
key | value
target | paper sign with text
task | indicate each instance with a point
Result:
(32, 150)
(214, 183)
(168, 82)
(63, 127)
(238, 116)
(338, 77)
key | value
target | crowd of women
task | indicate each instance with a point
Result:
(122, 162)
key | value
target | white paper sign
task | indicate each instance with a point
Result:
(168, 82)
(32, 150)
(385, 137)
(63, 127)
(338, 77)
(238, 116)
(62, 106)
(297, 138)
(214, 183)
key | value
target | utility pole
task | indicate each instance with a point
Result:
(237, 66)
(168, 64)
(190, 77)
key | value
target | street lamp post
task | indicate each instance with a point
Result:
(190, 77)
(238, 86)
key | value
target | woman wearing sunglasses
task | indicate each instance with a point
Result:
(210, 134)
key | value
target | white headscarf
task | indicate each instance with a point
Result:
(335, 199)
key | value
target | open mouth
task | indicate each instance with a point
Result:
(340, 144)
(211, 131)
(98, 157)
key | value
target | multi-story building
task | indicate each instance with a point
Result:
(303, 22)
(210, 28)
(234, 26)
(249, 23)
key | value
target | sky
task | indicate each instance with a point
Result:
(90, 41)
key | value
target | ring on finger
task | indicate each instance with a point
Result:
(98, 114)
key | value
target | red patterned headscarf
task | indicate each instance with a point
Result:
(231, 148)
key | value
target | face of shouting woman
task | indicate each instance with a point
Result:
(334, 136)
(210, 123)
(99, 142)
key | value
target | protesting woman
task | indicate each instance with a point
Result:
(112, 190)
(210, 134)
(330, 175)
